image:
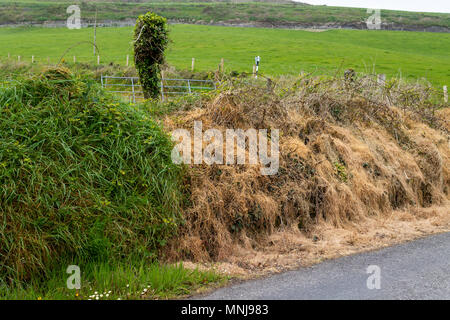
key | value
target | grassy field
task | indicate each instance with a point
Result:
(411, 55)
(13, 11)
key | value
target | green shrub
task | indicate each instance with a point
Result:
(150, 41)
(82, 177)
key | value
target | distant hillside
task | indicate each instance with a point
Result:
(263, 13)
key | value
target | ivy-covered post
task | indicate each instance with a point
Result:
(150, 41)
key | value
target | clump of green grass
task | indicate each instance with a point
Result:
(341, 171)
(84, 178)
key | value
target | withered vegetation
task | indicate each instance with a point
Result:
(350, 151)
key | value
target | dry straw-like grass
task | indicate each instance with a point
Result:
(353, 154)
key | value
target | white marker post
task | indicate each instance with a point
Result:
(98, 59)
(257, 60)
(32, 59)
(445, 94)
(74, 59)
(193, 64)
(128, 57)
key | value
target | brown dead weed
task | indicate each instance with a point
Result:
(361, 167)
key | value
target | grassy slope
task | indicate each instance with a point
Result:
(86, 180)
(411, 54)
(33, 10)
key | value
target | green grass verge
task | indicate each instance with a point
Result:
(112, 281)
(411, 55)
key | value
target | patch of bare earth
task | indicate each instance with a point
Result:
(291, 249)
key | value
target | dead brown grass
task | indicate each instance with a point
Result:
(360, 167)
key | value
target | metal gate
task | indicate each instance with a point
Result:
(129, 86)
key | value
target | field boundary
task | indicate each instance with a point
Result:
(290, 26)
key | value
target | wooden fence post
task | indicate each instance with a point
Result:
(98, 59)
(32, 59)
(128, 58)
(193, 64)
(445, 94)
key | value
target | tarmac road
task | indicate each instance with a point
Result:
(415, 270)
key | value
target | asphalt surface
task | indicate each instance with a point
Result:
(415, 270)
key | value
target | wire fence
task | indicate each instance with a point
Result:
(130, 87)
(125, 60)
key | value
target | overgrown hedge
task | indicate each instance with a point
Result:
(82, 177)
